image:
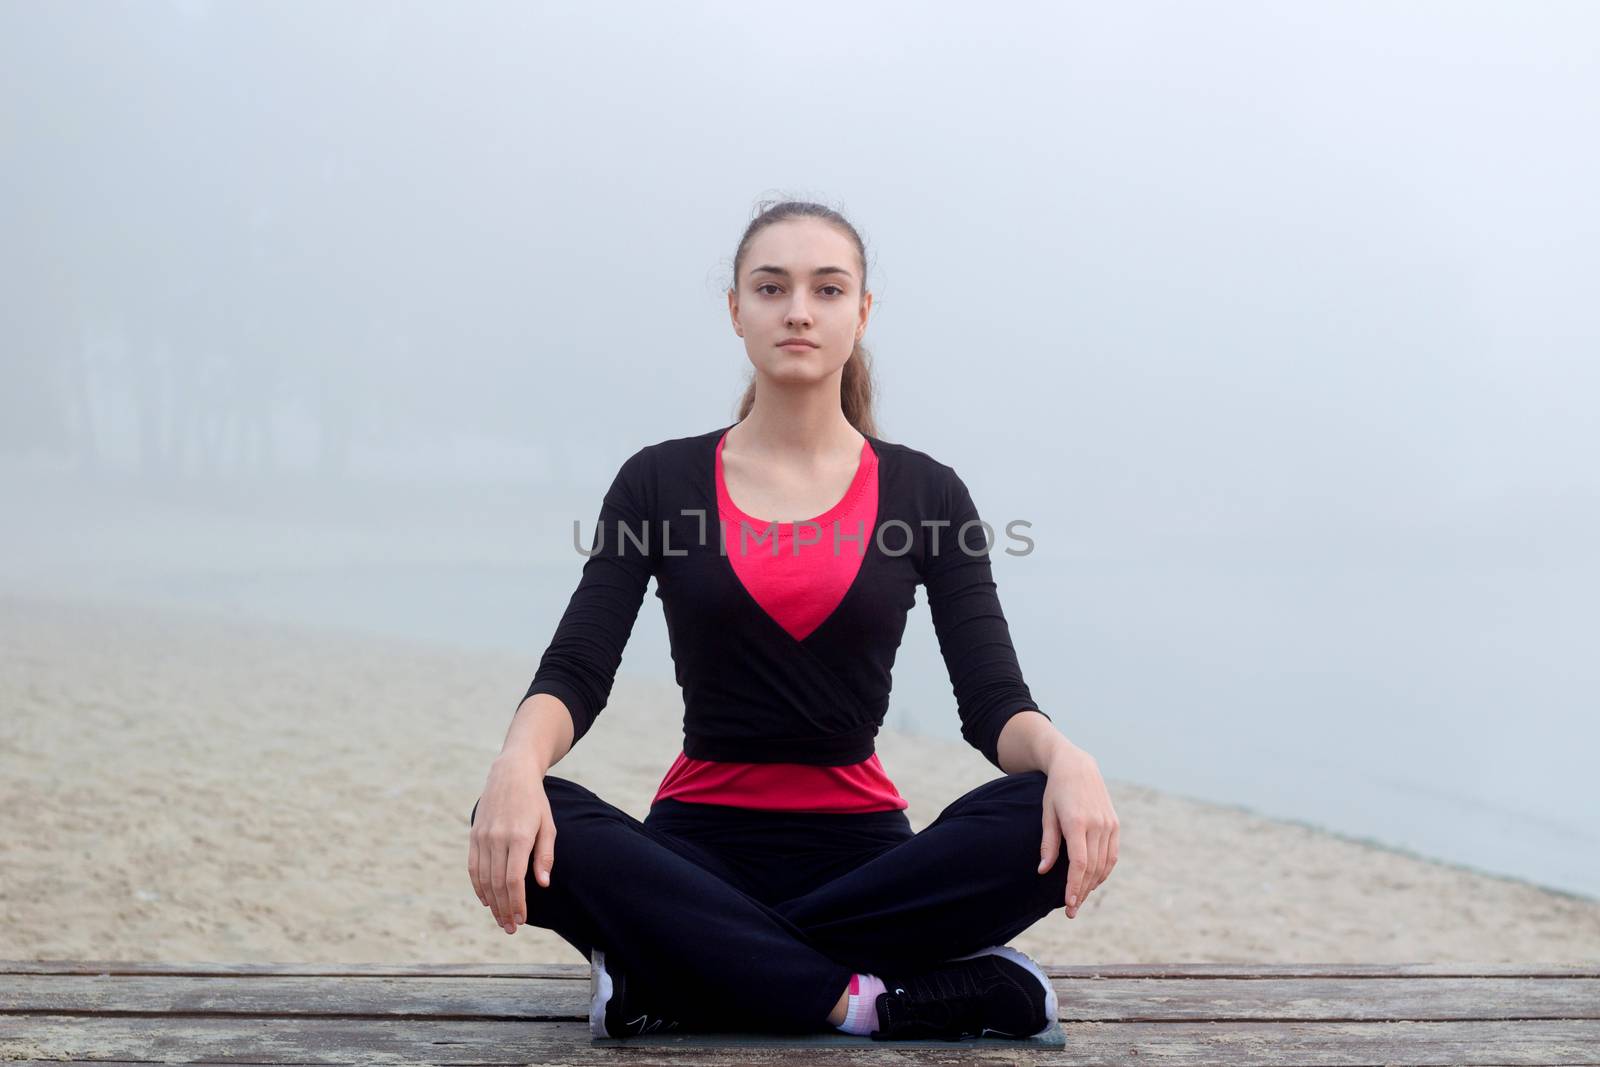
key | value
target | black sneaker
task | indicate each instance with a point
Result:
(995, 992)
(610, 1015)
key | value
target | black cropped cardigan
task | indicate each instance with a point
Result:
(752, 692)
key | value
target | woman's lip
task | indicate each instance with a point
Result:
(796, 344)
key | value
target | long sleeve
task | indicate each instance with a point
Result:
(580, 663)
(973, 636)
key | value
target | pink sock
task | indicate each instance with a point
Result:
(861, 1013)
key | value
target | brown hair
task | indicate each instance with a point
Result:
(855, 384)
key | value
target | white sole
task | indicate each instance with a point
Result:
(599, 993)
(1051, 1008)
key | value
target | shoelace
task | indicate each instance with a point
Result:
(644, 1024)
(948, 999)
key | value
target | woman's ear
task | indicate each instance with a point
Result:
(733, 312)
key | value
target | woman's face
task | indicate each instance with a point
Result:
(800, 279)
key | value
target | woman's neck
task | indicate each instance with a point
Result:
(798, 427)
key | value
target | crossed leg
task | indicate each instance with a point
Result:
(967, 880)
(676, 919)
(673, 917)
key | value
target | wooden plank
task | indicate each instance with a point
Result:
(490, 1042)
(533, 999)
(574, 970)
(1326, 970)
(1245, 971)
(331, 970)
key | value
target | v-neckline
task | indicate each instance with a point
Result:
(732, 575)
(839, 507)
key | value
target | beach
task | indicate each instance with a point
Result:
(185, 787)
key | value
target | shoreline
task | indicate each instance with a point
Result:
(228, 788)
(1399, 851)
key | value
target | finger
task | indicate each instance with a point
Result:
(545, 853)
(472, 865)
(1097, 868)
(1116, 844)
(497, 883)
(516, 886)
(481, 872)
(1091, 862)
(1077, 851)
(1105, 858)
(1050, 847)
(1108, 855)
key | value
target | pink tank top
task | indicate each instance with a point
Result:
(799, 591)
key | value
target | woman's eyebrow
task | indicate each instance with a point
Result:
(816, 273)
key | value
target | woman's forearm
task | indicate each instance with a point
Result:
(1028, 742)
(541, 729)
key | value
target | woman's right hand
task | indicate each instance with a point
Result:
(513, 823)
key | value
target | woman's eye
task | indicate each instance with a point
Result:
(772, 285)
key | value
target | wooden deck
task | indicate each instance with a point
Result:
(1191, 1014)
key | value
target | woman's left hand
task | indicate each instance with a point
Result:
(1078, 808)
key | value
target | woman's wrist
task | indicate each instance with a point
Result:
(1029, 741)
(1054, 748)
(524, 758)
(541, 733)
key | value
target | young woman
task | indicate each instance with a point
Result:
(775, 884)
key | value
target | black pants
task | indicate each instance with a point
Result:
(744, 919)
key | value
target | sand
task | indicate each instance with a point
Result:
(182, 788)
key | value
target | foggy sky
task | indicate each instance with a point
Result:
(1219, 267)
